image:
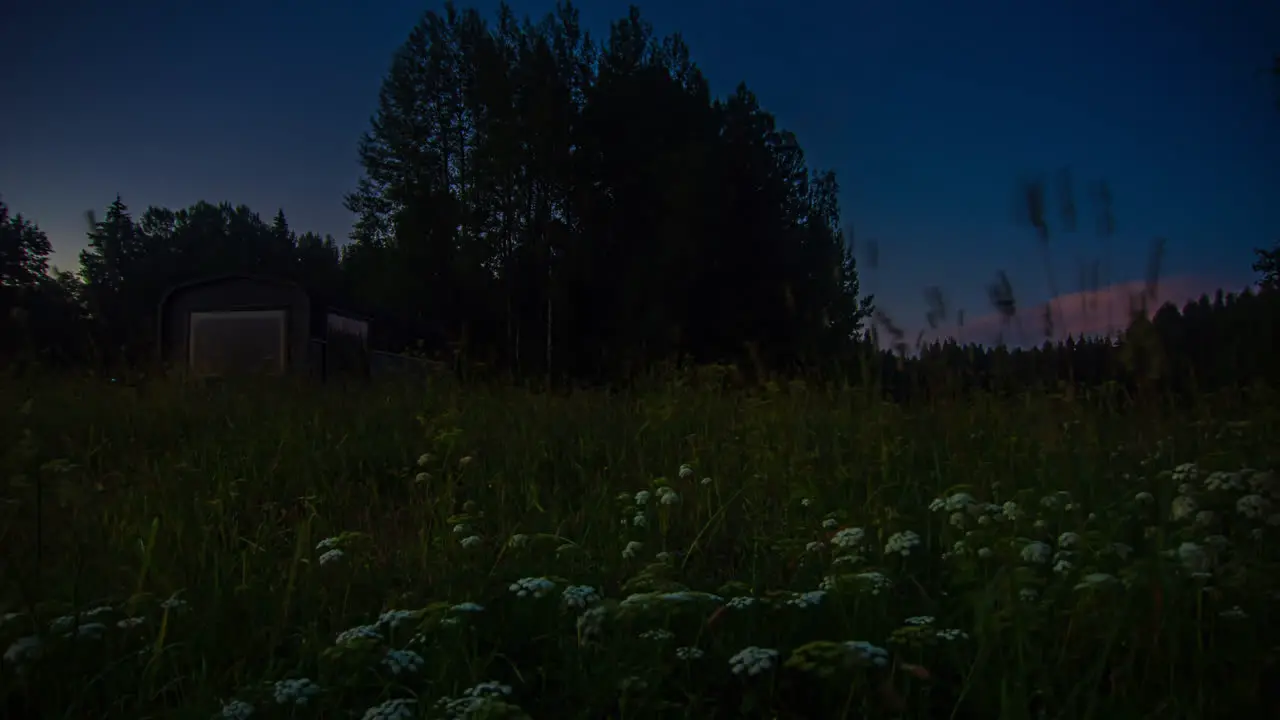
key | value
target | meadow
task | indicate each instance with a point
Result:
(428, 550)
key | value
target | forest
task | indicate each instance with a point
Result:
(538, 204)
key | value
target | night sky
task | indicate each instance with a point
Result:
(928, 111)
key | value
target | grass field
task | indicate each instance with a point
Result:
(436, 551)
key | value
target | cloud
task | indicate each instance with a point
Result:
(1091, 312)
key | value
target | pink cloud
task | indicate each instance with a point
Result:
(1091, 312)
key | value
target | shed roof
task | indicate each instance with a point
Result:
(215, 279)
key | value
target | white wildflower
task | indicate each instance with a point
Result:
(359, 632)
(22, 650)
(129, 622)
(1253, 506)
(331, 556)
(236, 710)
(532, 586)
(328, 543)
(1094, 580)
(393, 709)
(393, 618)
(402, 661)
(471, 541)
(901, 543)
(1028, 594)
(849, 538)
(580, 596)
(297, 692)
(631, 550)
(1224, 481)
(752, 660)
(865, 652)
(518, 540)
(1182, 507)
(958, 501)
(805, 502)
(951, 634)
(741, 602)
(1205, 518)
(1234, 613)
(813, 598)
(642, 497)
(919, 620)
(984, 552)
(688, 653)
(667, 496)
(875, 582)
(1036, 552)
(1011, 511)
(813, 547)
(640, 520)
(1193, 557)
(1144, 498)
(1063, 566)
(467, 607)
(1068, 539)
(461, 528)
(685, 471)
(830, 524)
(658, 635)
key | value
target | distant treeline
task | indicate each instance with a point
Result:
(539, 204)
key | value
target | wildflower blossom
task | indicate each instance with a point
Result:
(461, 528)
(875, 582)
(1234, 613)
(1144, 498)
(173, 603)
(752, 660)
(631, 550)
(1068, 539)
(685, 471)
(952, 634)
(1253, 506)
(657, 635)
(467, 607)
(1193, 557)
(22, 650)
(580, 596)
(706, 481)
(741, 602)
(830, 524)
(393, 618)
(591, 622)
(642, 497)
(394, 709)
(667, 496)
(129, 622)
(640, 520)
(1224, 481)
(813, 598)
(328, 543)
(805, 502)
(1205, 518)
(518, 540)
(471, 541)
(236, 710)
(296, 692)
(537, 587)
(919, 620)
(1182, 507)
(848, 538)
(402, 661)
(1036, 552)
(331, 556)
(813, 547)
(688, 653)
(865, 652)
(1028, 594)
(1094, 580)
(1011, 511)
(958, 501)
(901, 543)
(359, 632)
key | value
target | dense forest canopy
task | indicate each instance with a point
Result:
(547, 204)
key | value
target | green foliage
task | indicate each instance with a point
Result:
(170, 551)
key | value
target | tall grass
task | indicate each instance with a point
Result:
(178, 551)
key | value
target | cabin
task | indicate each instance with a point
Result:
(255, 325)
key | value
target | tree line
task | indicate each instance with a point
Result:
(542, 204)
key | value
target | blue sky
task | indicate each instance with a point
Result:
(928, 111)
